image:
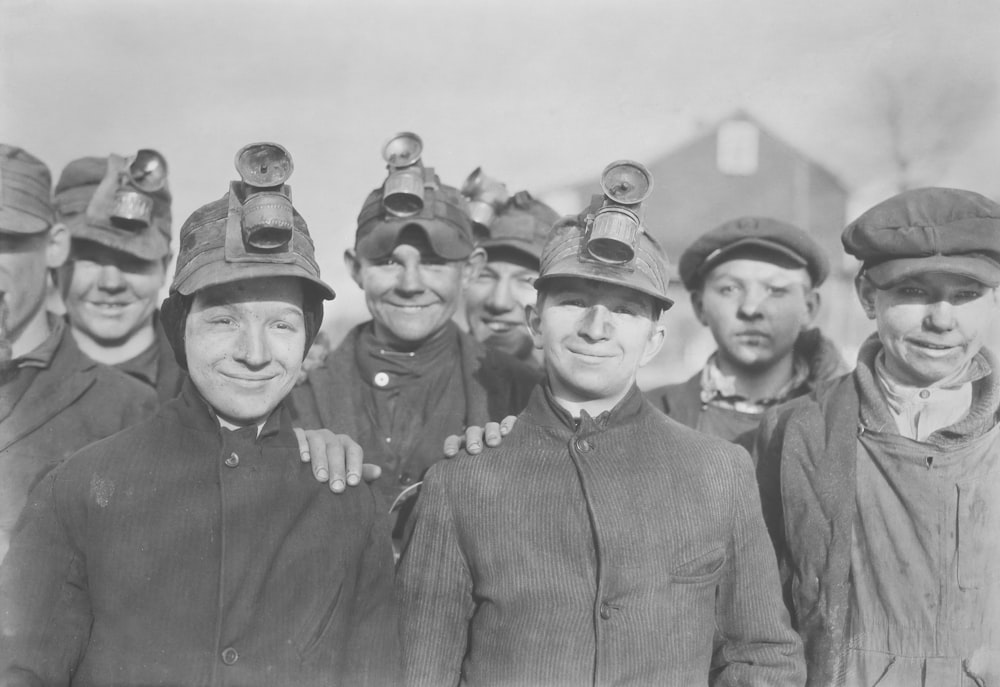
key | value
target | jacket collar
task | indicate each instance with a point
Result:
(546, 411)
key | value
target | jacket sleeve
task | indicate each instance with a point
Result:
(44, 602)
(373, 654)
(758, 644)
(435, 587)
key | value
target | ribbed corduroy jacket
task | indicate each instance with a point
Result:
(180, 553)
(609, 553)
(69, 404)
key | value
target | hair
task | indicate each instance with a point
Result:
(176, 308)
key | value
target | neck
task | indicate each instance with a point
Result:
(32, 335)
(115, 353)
(756, 384)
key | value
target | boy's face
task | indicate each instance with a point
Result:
(495, 302)
(411, 294)
(111, 295)
(755, 310)
(931, 325)
(245, 342)
(25, 261)
(594, 337)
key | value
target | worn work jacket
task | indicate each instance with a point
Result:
(157, 366)
(69, 404)
(599, 554)
(181, 553)
(807, 470)
(686, 402)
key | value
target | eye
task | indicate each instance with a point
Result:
(967, 296)
(777, 291)
(625, 310)
(725, 289)
(222, 321)
(910, 291)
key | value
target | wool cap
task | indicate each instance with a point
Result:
(523, 224)
(25, 193)
(442, 220)
(928, 230)
(566, 255)
(761, 238)
(85, 197)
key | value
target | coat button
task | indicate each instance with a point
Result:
(381, 379)
(605, 611)
(406, 479)
(582, 445)
(233, 460)
(925, 394)
(229, 656)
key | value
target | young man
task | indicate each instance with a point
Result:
(402, 382)
(54, 400)
(753, 282)
(195, 547)
(882, 487)
(496, 298)
(117, 210)
(603, 543)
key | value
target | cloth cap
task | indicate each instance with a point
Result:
(443, 220)
(756, 236)
(928, 230)
(565, 255)
(522, 224)
(25, 193)
(84, 200)
(204, 259)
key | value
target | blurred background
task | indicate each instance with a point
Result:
(807, 111)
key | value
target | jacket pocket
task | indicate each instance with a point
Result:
(702, 569)
(978, 522)
(315, 629)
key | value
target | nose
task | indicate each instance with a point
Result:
(410, 280)
(750, 304)
(596, 323)
(940, 317)
(110, 278)
(252, 347)
(501, 299)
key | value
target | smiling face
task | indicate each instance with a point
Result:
(245, 342)
(495, 301)
(931, 325)
(756, 311)
(412, 294)
(595, 337)
(111, 295)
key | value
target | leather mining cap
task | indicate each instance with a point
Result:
(25, 188)
(522, 224)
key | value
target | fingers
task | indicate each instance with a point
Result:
(507, 424)
(492, 434)
(452, 445)
(370, 473)
(474, 439)
(355, 459)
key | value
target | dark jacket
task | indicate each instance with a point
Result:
(69, 404)
(684, 402)
(157, 366)
(608, 553)
(494, 384)
(180, 553)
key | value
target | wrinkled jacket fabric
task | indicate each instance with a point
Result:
(541, 562)
(71, 403)
(807, 453)
(157, 367)
(683, 402)
(180, 553)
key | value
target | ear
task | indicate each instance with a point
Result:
(353, 265)
(813, 301)
(533, 318)
(866, 291)
(57, 246)
(473, 266)
(696, 304)
(654, 343)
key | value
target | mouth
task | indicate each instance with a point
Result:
(248, 380)
(933, 348)
(109, 307)
(500, 326)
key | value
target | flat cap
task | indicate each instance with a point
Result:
(522, 224)
(25, 188)
(761, 238)
(928, 230)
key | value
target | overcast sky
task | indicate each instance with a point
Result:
(541, 94)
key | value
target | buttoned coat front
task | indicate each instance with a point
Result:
(605, 554)
(180, 553)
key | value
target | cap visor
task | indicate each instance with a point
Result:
(146, 244)
(760, 248)
(16, 222)
(446, 241)
(579, 270)
(978, 267)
